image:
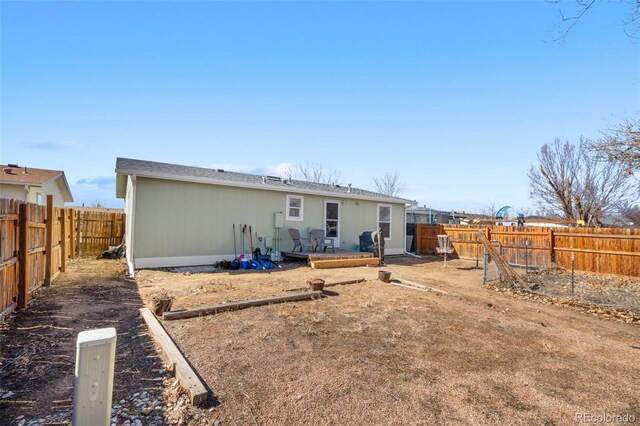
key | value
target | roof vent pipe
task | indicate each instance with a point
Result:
(25, 170)
(349, 189)
(264, 179)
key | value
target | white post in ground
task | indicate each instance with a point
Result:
(95, 364)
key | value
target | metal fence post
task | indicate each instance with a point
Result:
(484, 266)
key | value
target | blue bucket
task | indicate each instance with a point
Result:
(244, 264)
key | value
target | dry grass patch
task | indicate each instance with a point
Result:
(373, 353)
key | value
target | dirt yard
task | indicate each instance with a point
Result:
(373, 353)
(368, 353)
(38, 348)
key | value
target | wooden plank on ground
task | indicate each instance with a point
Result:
(418, 286)
(174, 358)
(359, 280)
(410, 287)
(232, 306)
(344, 263)
(338, 256)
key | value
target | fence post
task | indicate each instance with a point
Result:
(78, 233)
(123, 227)
(113, 230)
(48, 247)
(63, 239)
(23, 249)
(552, 255)
(418, 236)
(72, 233)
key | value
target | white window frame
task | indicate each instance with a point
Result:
(390, 219)
(288, 207)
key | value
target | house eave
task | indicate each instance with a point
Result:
(69, 199)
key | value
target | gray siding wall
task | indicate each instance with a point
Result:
(174, 218)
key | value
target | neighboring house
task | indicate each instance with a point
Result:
(431, 216)
(181, 215)
(426, 215)
(33, 185)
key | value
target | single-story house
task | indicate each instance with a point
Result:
(33, 185)
(181, 215)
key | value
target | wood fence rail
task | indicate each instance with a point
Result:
(600, 250)
(36, 242)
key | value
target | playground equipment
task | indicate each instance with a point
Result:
(500, 214)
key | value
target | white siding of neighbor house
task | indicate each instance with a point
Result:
(18, 192)
(13, 192)
(191, 223)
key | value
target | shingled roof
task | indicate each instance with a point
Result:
(27, 175)
(142, 168)
(13, 174)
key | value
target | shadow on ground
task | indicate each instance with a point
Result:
(38, 345)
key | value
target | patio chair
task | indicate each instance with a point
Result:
(298, 241)
(321, 241)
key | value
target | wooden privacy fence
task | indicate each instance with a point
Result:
(98, 230)
(36, 242)
(600, 250)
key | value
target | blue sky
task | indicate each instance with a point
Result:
(457, 97)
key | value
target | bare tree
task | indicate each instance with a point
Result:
(570, 16)
(389, 184)
(314, 172)
(525, 211)
(631, 215)
(621, 144)
(489, 209)
(628, 217)
(570, 182)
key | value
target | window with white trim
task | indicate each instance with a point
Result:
(295, 207)
(384, 219)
